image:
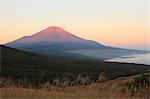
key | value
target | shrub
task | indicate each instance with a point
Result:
(102, 77)
(139, 84)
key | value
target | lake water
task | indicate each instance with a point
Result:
(137, 58)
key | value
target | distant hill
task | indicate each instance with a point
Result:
(36, 69)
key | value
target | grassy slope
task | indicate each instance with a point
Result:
(113, 89)
(37, 69)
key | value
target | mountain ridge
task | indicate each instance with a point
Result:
(54, 38)
(57, 41)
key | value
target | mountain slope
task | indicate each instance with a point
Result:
(37, 69)
(53, 38)
(57, 41)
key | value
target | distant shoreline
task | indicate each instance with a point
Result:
(133, 58)
(127, 63)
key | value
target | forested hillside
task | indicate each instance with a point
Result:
(36, 69)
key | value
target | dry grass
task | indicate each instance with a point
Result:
(83, 93)
(114, 89)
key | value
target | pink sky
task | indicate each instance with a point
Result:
(119, 23)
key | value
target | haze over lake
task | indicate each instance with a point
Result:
(109, 53)
(137, 58)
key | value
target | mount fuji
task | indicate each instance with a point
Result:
(57, 41)
(53, 38)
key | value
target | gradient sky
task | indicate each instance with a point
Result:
(118, 23)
